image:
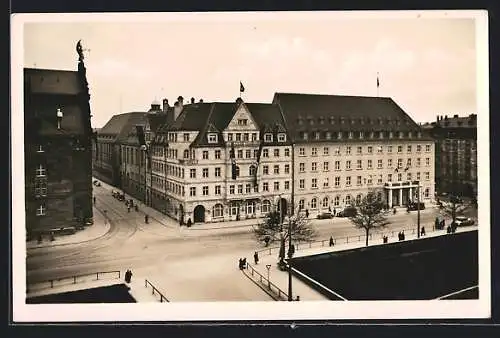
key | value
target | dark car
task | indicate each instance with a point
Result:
(348, 212)
(416, 206)
(463, 221)
(325, 215)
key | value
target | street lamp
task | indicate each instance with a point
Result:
(418, 209)
(290, 253)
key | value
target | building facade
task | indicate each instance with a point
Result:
(345, 146)
(456, 154)
(58, 152)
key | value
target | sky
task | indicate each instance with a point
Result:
(427, 64)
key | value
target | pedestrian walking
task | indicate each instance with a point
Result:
(334, 212)
(128, 208)
(244, 263)
(146, 219)
(94, 200)
(256, 257)
(332, 243)
(422, 231)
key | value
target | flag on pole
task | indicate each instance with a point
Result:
(242, 89)
(378, 82)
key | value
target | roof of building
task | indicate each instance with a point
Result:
(336, 113)
(457, 121)
(119, 126)
(51, 81)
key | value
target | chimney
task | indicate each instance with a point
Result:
(455, 116)
(192, 100)
(201, 101)
(165, 105)
(446, 117)
(59, 118)
(177, 110)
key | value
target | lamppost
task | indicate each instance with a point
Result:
(418, 209)
(290, 254)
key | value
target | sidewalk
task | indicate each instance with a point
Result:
(90, 233)
(306, 293)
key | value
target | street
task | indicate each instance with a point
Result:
(182, 262)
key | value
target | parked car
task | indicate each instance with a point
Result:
(325, 215)
(348, 212)
(416, 206)
(463, 221)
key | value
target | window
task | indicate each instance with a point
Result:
(41, 187)
(358, 199)
(359, 164)
(192, 173)
(314, 183)
(370, 150)
(265, 153)
(302, 183)
(427, 161)
(408, 162)
(337, 165)
(266, 206)
(325, 151)
(337, 181)
(217, 154)
(268, 137)
(205, 154)
(40, 149)
(234, 209)
(254, 136)
(314, 151)
(212, 138)
(408, 176)
(325, 166)
(240, 153)
(217, 172)
(217, 189)
(276, 186)
(301, 204)
(302, 152)
(389, 177)
(400, 149)
(230, 136)
(336, 201)
(379, 164)
(287, 185)
(192, 191)
(427, 175)
(389, 163)
(231, 189)
(348, 165)
(287, 168)
(240, 188)
(370, 180)
(400, 177)
(389, 149)
(427, 148)
(337, 151)
(351, 134)
(370, 164)
(265, 170)
(426, 192)
(314, 166)
(251, 170)
(359, 150)
(408, 148)
(204, 172)
(326, 182)
(348, 150)
(245, 137)
(418, 176)
(379, 149)
(41, 210)
(242, 122)
(218, 210)
(287, 152)
(325, 202)
(40, 171)
(314, 203)
(358, 180)
(316, 135)
(276, 169)
(302, 167)
(238, 137)
(348, 181)
(186, 153)
(379, 180)
(361, 134)
(265, 186)
(281, 137)
(400, 163)
(419, 148)
(418, 162)
(304, 135)
(276, 153)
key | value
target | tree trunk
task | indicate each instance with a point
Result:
(367, 234)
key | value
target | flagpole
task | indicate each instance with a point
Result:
(378, 84)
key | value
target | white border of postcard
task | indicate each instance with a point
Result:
(303, 310)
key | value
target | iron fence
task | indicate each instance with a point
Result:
(155, 290)
(282, 295)
(51, 283)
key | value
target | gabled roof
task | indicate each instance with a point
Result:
(120, 125)
(51, 81)
(314, 112)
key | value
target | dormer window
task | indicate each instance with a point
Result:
(40, 149)
(328, 135)
(361, 134)
(332, 120)
(317, 135)
(304, 135)
(300, 121)
(212, 138)
(268, 137)
(321, 120)
(281, 137)
(351, 134)
(361, 121)
(339, 135)
(400, 134)
(409, 134)
(372, 134)
(391, 134)
(381, 135)
(419, 135)
(311, 121)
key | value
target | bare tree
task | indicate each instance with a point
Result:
(370, 213)
(455, 206)
(272, 229)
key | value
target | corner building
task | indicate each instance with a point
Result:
(343, 146)
(223, 161)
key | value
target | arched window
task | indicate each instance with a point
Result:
(266, 206)
(325, 202)
(250, 208)
(301, 204)
(218, 210)
(251, 170)
(314, 203)
(336, 201)
(186, 153)
(358, 199)
(348, 200)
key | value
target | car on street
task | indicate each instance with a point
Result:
(348, 212)
(325, 215)
(463, 221)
